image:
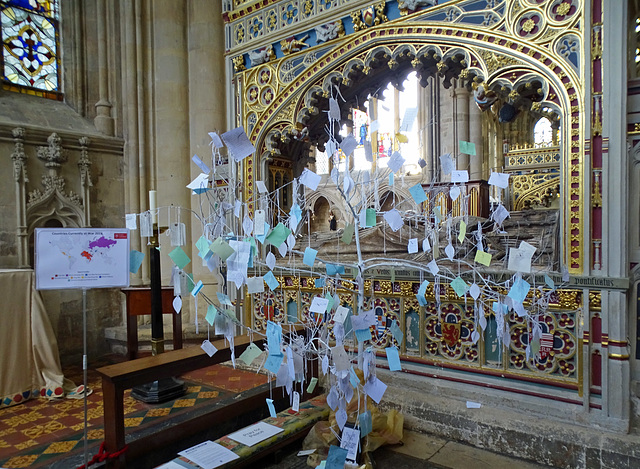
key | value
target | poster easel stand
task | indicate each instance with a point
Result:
(84, 371)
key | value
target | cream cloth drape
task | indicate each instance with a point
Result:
(29, 359)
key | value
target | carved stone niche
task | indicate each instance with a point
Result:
(50, 205)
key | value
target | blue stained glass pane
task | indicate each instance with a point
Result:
(29, 45)
(43, 7)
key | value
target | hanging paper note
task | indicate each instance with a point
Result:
(426, 246)
(271, 281)
(418, 194)
(177, 304)
(215, 140)
(199, 163)
(178, 234)
(347, 236)
(273, 362)
(401, 138)
(262, 188)
(309, 256)
(408, 119)
(135, 260)
(348, 145)
(197, 288)
(274, 337)
(212, 312)
(396, 333)
(333, 269)
(483, 258)
(412, 246)
(450, 251)
(340, 314)
(549, 282)
(446, 164)
(433, 267)
(221, 248)
(272, 409)
(238, 143)
(319, 305)
(203, 246)
(250, 354)
(365, 423)
(460, 176)
(459, 286)
(467, 148)
(179, 257)
(270, 260)
(278, 235)
(393, 218)
(330, 301)
(463, 231)
(520, 258)
(393, 359)
(131, 221)
(310, 179)
(499, 214)
(500, 180)
(363, 335)
(375, 389)
(209, 348)
(336, 458)
(519, 290)
(312, 385)
(200, 184)
(255, 285)
(223, 299)
(371, 217)
(474, 291)
(395, 162)
(454, 192)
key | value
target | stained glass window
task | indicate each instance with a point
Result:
(30, 61)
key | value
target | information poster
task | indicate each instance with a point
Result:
(76, 258)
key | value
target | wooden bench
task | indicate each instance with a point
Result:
(295, 426)
(122, 376)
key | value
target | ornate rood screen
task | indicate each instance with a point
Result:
(486, 77)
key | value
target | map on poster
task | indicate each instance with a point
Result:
(68, 258)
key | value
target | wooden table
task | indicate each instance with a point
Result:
(139, 304)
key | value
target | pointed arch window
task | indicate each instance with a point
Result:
(30, 47)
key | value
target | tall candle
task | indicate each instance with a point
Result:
(153, 206)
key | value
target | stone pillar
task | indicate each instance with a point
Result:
(103, 120)
(462, 124)
(207, 103)
(20, 176)
(475, 136)
(425, 128)
(615, 196)
(134, 167)
(169, 152)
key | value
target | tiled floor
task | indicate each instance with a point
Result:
(44, 433)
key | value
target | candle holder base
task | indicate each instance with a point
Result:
(159, 391)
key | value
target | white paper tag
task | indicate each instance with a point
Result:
(146, 225)
(178, 235)
(259, 223)
(296, 401)
(132, 221)
(209, 348)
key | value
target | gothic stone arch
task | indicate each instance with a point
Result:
(460, 52)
